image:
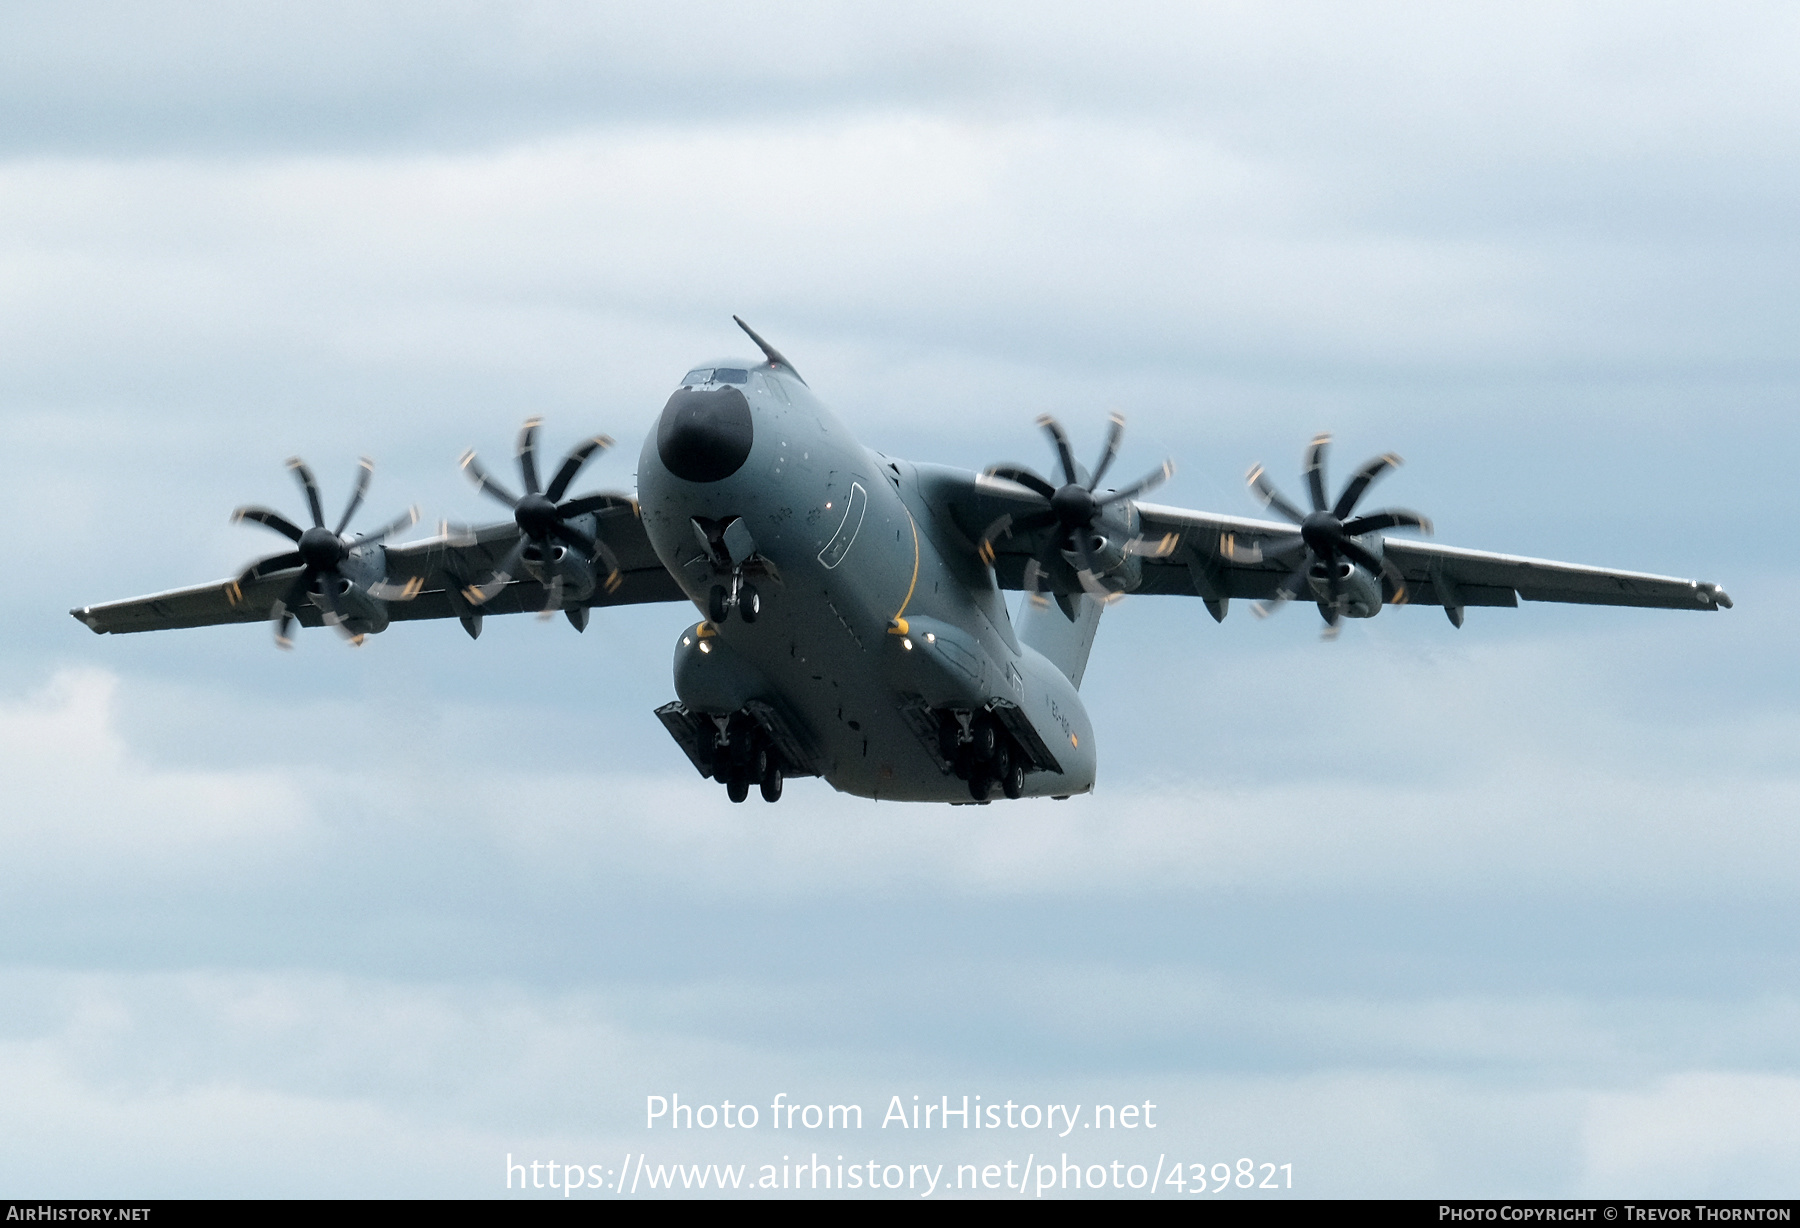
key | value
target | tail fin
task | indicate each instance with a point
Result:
(1063, 630)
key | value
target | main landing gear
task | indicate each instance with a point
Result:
(982, 753)
(741, 757)
(740, 596)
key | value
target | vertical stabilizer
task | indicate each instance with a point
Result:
(1063, 630)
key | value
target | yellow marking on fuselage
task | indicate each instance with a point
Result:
(897, 625)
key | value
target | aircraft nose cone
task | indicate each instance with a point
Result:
(704, 434)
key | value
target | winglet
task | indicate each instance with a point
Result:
(769, 351)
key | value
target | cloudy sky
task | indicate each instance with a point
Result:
(1506, 911)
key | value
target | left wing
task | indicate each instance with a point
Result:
(1219, 557)
(424, 579)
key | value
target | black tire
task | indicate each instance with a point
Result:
(947, 740)
(749, 603)
(1013, 783)
(759, 764)
(1001, 763)
(771, 784)
(980, 785)
(738, 789)
(716, 608)
(985, 740)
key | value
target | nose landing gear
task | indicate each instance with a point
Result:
(741, 596)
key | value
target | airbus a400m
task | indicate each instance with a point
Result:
(855, 621)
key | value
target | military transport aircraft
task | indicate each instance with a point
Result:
(854, 623)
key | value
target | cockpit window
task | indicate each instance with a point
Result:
(731, 375)
(700, 376)
(768, 382)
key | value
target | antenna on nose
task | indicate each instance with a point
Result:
(769, 351)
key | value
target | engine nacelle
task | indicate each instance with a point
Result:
(1109, 541)
(576, 572)
(1358, 593)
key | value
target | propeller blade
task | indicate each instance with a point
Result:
(614, 575)
(528, 454)
(1089, 571)
(1368, 473)
(1268, 496)
(1063, 451)
(1361, 555)
(274, 520)
(593, 548)
(304, 476)
(481, 594)
(334, 612)
(282, 613)
(271, 565)
(1149, 481)
(1285, 592)
(1038, 569)
(1093, 587)
(1024, 477)
(1143, 548)
(1009, 525)
(1115, 431)
(1315, 469)
(1387, 518)
(1284, 550)
(572, 463)
(405, 520)
(485, 484)
(364, 472)
(552, 599)
(575, 537)
(595, 503)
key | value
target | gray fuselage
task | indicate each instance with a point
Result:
(873, 605)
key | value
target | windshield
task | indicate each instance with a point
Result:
(715, 375)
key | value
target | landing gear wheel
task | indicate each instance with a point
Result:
(947, 741)
(980, 785)
(737, 789)
(1013, 783)
(749, 603)
(716, 605)
(760, 765)
(771, 784)
(985, 740)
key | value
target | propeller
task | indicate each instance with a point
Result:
(1078, 510)
(1327, 534)
(543, 520)
(319, 552)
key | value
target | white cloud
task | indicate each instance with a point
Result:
(80, 803)
(1707, 1133)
